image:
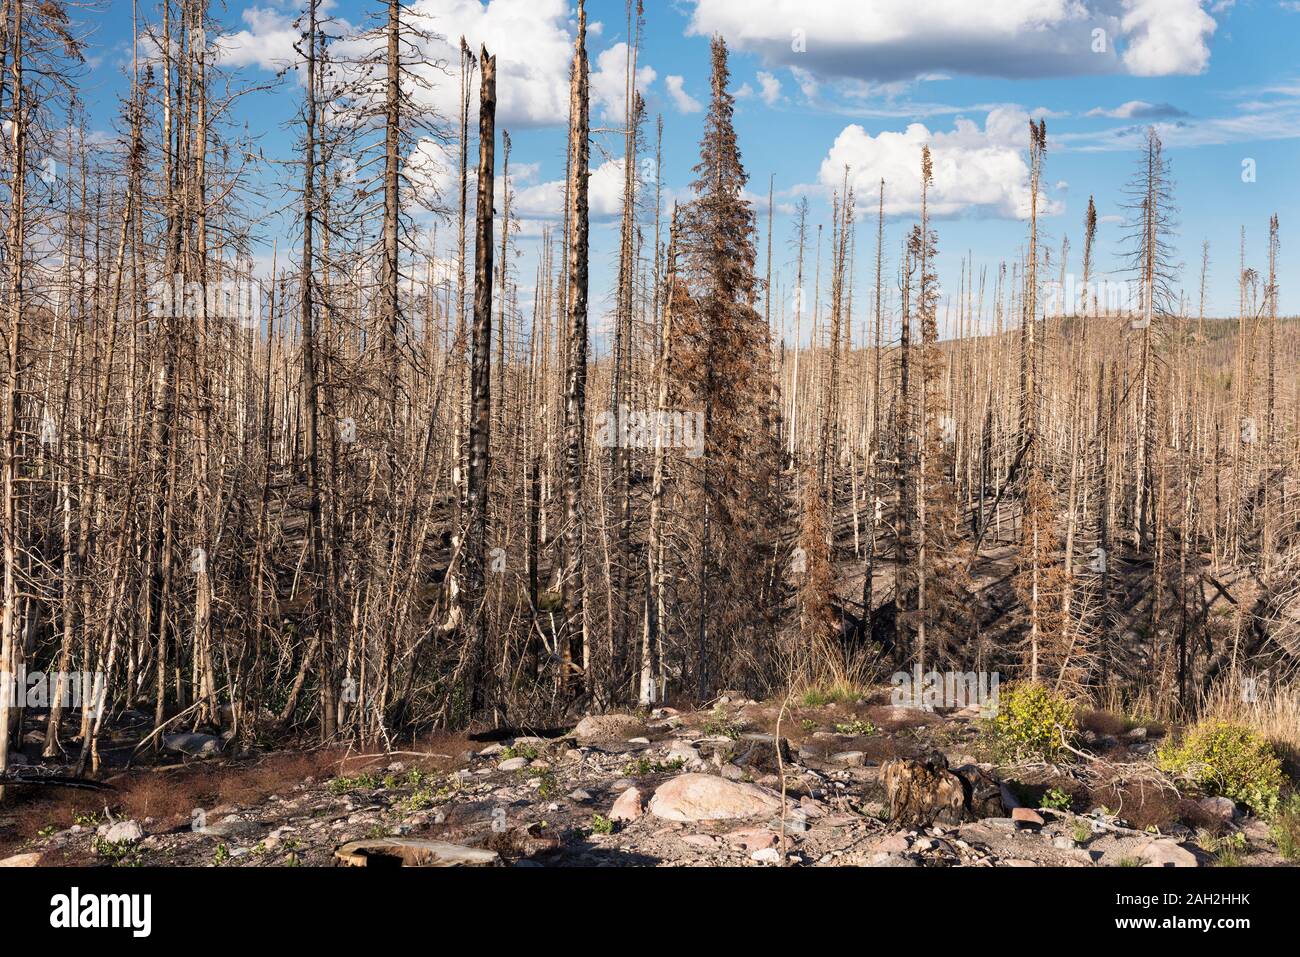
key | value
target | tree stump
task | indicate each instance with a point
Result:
(920, 793)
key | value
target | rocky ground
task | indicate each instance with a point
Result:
(689, 789)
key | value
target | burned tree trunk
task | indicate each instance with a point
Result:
(572, 580)
(480, 421)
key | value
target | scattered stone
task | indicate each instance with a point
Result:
(120, 832)
(22, 860)
(753, 839)
(767, 855)
(411, 852)
(582, 795)
(1137, 734)
(705, 841)
(1027, 817)
(1217, 808)
(811, 807)
(1165, 853)
(796, 823)
(685, 754)
(892, 860)
(639, 740)
(894, 844)
(627, 807)
(703, 797)
(605, 728)
(513, 764)
(854, 759)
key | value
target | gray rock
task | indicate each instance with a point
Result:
(1218, 808)
(1165, 853)
(119, 832)
(598, 728)
(191, 743)
(892, 860)
(854, 759)
(513, 764)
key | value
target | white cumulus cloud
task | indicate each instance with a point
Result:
(1166, 37)
(888, 40)
(609, 82)
(684, 102)
(977, 171)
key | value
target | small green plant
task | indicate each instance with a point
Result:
(720, 725)
(858, 726)
(86, 820)
(1082, 831)
(601, 824)
(1227, 759)
(808, 725)
(1229, 850)
(642, 766)
(1055, 800)
(117, 853)
(525, 750)
(364, 781)
(1032, 723)
(220, 855)
(1129, 862)
(1285, 828)
(547, 783)
(47, 830)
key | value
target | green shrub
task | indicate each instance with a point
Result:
(1229, 760)
(601, 824)
(1032, 723)
(1055, 800)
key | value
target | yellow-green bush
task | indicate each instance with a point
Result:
(1227, 759)
(1032, 723)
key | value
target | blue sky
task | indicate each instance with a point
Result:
(825, 83)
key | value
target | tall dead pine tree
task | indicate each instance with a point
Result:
(480, 420)
(572, 579)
